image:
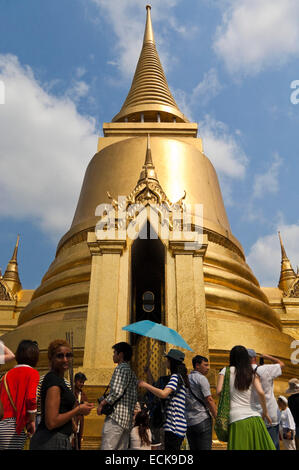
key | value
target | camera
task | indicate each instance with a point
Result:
(99, 400)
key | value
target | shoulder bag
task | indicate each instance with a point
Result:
(108, 408)
(222, 418)
(27, 441)
(200, 400)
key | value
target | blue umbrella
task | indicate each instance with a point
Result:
(157, 331)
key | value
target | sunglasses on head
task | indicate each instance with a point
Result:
(61, 355)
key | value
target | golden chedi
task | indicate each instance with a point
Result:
(13, 298)
(150, 153)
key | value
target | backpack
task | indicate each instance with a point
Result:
(158, 405)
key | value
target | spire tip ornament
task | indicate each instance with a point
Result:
(149, 98)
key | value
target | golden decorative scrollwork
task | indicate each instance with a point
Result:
(4, 294)
(294, 291)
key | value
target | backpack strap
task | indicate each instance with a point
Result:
(8, 393)
(199, 399)
(10, 397)
(202, 402)
(119, 398)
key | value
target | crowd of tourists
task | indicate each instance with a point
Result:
(176, 412)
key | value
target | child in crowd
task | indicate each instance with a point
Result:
(141, 436)
(287, 424)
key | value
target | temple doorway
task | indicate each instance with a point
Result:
(147, 299)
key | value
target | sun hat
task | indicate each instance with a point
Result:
(293, 386)
(251, 353)
(176, 354)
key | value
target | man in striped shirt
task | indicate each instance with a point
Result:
(123, 395)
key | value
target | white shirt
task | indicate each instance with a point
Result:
(267, 373)
(135, 441)
(287, 420)
(242, 403)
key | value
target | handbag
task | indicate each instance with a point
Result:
(222, 419)
(27, 441)
(108, 408)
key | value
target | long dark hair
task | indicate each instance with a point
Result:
(179, 368)
(240, 359)
(142, 422)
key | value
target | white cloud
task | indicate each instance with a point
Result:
(268, 182)
(127, 18)
(208, 88)
(220, 145)
(222, 148)
(184, 102)
(78, 90)
(45, 145)
(264, 257)
(256, 34)
(80, 71)
(263, 184)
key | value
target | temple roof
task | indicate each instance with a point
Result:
(149, 97)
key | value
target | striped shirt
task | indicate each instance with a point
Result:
(175, 409)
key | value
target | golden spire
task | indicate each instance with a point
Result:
(148, 171)
(149, 98)
(148, 33)
(287, 274)
(11, 275)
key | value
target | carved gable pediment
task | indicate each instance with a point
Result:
(4, 292)
(294, 290)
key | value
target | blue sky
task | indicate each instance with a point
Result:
(67, 67)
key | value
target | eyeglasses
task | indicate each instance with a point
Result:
(62, 355)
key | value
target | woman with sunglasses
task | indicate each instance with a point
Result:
(57, 403)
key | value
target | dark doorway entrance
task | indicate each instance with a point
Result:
(147, 299)
(148, 279)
